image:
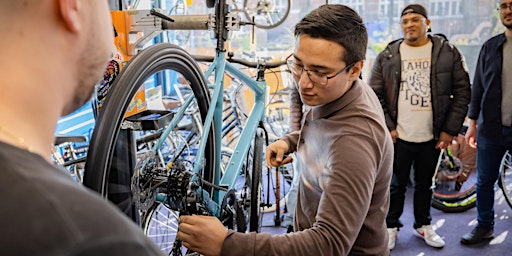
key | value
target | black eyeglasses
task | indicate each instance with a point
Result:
(503, 7)
(318, 78)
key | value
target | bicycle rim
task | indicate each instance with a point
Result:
(160, 224)
(506, 177)
(267, 13)
(119, 145)
(446, 187)
(451, 193)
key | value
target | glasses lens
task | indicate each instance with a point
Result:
(504, 7)
(296, 69)
(317, 78)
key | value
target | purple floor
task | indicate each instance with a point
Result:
(450, 226)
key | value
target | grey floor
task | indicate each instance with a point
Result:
(450, 226)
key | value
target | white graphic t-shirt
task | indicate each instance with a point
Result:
(415, 120)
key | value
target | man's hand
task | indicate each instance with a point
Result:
(471, 133)
(202, 234)
(394, 135)
(444, 141)
(274, 154)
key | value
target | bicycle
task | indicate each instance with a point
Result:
(70, 153)
(164, 161)
(266, 14)
(454, 187)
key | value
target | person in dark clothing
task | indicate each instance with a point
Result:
(423, 85)
(342, 145)
(490, 114)
(55, 53)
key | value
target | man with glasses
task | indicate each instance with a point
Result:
(490, 114)
(343, 147)
(423, 86)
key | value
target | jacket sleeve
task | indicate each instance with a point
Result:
(477, 88)
(295, 109)
(377, 83)
(461, 93)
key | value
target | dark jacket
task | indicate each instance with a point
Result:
(486, 89)
(449, 84)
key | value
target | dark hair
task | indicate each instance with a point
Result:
(337, 23)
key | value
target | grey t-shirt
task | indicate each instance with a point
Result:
(506, 84)
(44, 212)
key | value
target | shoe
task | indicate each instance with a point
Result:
(477, 235)
(429, 235)
(393, 236)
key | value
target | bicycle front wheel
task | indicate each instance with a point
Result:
(267, 13)
(151, 123)
(506, 177)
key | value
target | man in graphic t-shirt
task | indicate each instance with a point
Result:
(423, 85)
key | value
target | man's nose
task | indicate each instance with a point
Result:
(304, 81)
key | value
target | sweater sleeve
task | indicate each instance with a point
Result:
(343, 210)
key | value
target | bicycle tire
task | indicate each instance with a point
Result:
(505, 181)
(256, 186)
(457, 206)
(248, 7)
(102, 172)
(446, 196)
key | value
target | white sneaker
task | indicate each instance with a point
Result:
(393, 235)
(431, 238)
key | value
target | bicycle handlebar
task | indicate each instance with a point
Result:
(251, 64)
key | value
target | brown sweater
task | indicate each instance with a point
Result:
(346, 155)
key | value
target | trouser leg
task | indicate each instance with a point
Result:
(401, 170)
(488, 159)
(424, 169)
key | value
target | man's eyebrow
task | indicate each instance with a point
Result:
(313, 66)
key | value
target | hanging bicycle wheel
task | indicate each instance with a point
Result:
(267, 13)
(179, 37)
(148, 129)
(455, 181)
(506, 177)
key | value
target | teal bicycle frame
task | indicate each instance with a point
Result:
(214, 117)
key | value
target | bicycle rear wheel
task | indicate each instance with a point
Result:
(267, 13)
(505, 181)
(121, 163)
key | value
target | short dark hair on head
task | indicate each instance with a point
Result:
(337, 23)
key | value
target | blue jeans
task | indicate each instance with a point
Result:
(489, 153)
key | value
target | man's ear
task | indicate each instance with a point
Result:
(69, 11)
(355, 71)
